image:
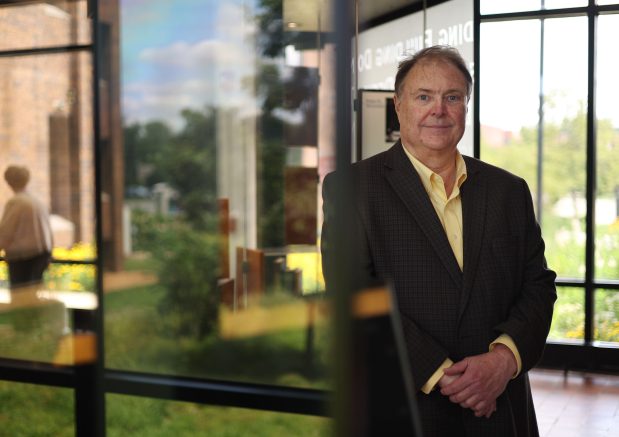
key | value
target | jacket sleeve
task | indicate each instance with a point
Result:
(426, 354)
(530, 316)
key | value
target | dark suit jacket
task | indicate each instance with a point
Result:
(505, 286)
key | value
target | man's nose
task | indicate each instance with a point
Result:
(438, 107)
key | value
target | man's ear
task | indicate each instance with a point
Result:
(396, 103)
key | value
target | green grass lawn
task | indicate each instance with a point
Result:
(138, 338)
(35, 411)
(144, 417)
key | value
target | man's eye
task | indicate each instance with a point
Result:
(423, 97)
(453, 99)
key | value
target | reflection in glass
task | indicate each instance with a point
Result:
(568, 321)
(36, 410)
(40, 24)
(48, 322)
(607, 316)
(33, 324)
(222, 152)
(146, 417)
(47, 127)
(607, 136)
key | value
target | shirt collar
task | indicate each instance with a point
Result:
(427, 175)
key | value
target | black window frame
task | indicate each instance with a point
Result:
(91, 382)
(591, 355)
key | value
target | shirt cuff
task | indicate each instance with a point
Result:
(433, 380)
(509, 342)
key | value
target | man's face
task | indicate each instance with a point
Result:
(432, 108)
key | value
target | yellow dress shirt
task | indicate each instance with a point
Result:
(449, 211)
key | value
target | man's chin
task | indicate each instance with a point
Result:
(440, 145)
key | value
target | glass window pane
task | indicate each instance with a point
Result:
(504, 6)
(33, 327)
(564, 145)
(568, 321)
(40, 24)
(510, 96)
(47, 127)
(607, 316)
(607, 202)
(559, 4)
(34, 410)
(138, 416)
(38, 320)
(217, 246)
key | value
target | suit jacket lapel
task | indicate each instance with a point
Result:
(473, 193)
(405, 181)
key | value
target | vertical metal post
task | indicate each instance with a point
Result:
(476, 75)
(540, 129)
(591, 177)
(343, 34)
(89, 395)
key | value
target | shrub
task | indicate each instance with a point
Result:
(188, 269)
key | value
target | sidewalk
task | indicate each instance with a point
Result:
(115, 281)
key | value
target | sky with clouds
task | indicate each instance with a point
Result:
(194, 53)
(184, 54)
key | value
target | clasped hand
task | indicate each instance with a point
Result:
(476, 382)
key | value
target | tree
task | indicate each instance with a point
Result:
(144, 145)
(190, 167)
(184, 244)
(564, 176)
(564, 166)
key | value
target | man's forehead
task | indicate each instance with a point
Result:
(428, 72)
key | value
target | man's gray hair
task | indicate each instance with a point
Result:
(439, 52)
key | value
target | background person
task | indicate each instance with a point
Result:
(459, 241)
(25, 231)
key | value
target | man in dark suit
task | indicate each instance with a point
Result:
(458, 240)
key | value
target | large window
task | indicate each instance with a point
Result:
(550, 72)
(179, 149)
(46, 126)
(222, 148)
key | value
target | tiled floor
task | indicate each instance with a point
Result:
(576, 405)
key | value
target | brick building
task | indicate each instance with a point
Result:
(46, 117)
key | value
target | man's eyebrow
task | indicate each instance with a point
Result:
(430, 91)
(455, 90)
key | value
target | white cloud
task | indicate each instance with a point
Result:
(182, 54)
(209, 72)
(164, 101)
(183, 75)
